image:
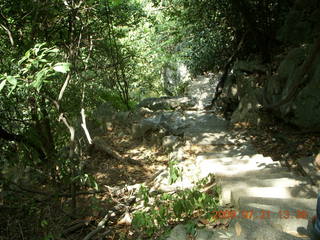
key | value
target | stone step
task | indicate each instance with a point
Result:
(285, 192)
(250, 229)
(290, 215)
(276, 204)
(209, 138)
(239, 229)
(228, 150)
(235, 184)
(232, 166)
(236, 156)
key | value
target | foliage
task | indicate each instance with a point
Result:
(60, 58)
(174, 172)
(34, 70)
(166, 209)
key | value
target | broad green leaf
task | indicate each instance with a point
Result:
(51, 50)
(35, 63)
(37, 48)
(2, 84)
(12, 80)
(62, 67)
(40, 76)
(25, 57)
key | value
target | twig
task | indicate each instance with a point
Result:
(100, 226)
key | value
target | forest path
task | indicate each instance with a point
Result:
(271, 202)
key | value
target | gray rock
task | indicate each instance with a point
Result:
(168, 142)
(249, 67)
(179, 232)
(167, 103)
(303, 110)
(172, 123)
(247, 229)
(149, 124)
(202, 89)
(249, 110)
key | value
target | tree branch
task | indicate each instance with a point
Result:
(9, 34)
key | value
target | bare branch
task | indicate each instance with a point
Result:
(84, 126)
(9, 34)
(71, 129)
(65, 84)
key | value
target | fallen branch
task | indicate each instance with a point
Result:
(100, 145)
(101, 225)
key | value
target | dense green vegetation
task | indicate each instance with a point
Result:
(60, 59)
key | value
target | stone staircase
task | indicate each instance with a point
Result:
(280, 203)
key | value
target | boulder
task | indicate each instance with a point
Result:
(303, 110)
(171, 123)
(253, 66)
(167, 103)
(240, 98)
(249, 110)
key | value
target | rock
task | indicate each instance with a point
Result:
(240, 88)
(122, 118)
(249, 110)
(247, 229)
(202, 89)
(303, 110)
(167, 103)
(249, 67)
(172, 123)
(168, 142)
(155, 104)
(179, 232)
(149, 124)
(177, 155)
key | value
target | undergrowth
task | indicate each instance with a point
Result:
(164, 210)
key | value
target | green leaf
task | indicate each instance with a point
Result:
(62, 67)
(51, 50)
(2, 84)
(39, 78)
(12, 80)
(44, 223)
(37, 47)
(25, 57)
(115, 3)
